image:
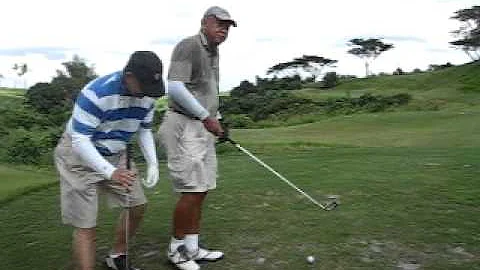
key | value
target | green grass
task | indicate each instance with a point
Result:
(9, 98)
(407, 182)
(398, 204)
(411, 129)
(15, 92)
(21, 180)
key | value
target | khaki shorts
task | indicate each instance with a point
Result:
(80, 186)
(192, 161)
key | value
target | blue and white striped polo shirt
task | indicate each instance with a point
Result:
(108, 115)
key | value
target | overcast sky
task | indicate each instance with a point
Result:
(46, 33)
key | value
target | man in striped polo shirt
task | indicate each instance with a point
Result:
(91, 155)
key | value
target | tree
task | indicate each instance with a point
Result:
(469, 31)
(45, 98)
(434, 67)
(59, 94)
(311, 64)
(21, 69)
(1, 78)
(77, 75)
(330, 79)
(284, 69)
(315, 64)
(368, 49)
(243, 89)
(398, 71)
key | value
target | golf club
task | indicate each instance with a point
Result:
(127, 198)
(332, 204)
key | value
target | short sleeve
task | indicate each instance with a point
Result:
(182, 61)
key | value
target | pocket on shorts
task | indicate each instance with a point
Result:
(187, 166)
(72, 168)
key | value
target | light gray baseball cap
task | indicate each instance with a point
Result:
(219, 13)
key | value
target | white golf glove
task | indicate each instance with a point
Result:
(152, 177)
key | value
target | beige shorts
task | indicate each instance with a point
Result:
(80, 186)
(192, 161)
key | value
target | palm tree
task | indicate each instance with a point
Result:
(21, 69)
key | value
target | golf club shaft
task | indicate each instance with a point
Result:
(127, 198)
(277, 174)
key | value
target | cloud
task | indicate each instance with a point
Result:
(166, 41)
(439, 50)
(51, 53)
(268, 39)
(404, 39)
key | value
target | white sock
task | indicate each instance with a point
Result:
(191, 242)
(175, 243)
(114, 255)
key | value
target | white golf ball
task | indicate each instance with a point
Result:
(260, 260)
(310, 259)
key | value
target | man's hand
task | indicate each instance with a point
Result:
(152, 177)
(212, 125)
(124, 177)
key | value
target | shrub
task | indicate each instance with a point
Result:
(247, 111)
(22, 147)
(30, 147)
(330, 79)
(398, 71)
(238, 120)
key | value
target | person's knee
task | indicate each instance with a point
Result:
(86, 231)
(140, 208)
(89, 234)
(139, 211)
(193, 198)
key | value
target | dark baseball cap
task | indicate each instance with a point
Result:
(219, 13)
(147, 67)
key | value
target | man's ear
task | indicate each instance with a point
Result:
(130, 78)
(129, 75)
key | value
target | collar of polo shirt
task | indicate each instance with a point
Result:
(204, 41)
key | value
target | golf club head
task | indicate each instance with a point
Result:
(331, 206)
(332, 202)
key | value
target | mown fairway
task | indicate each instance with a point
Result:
(407, 181)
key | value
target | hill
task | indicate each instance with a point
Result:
(454, 87)
(10, 97)
(444, 112)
